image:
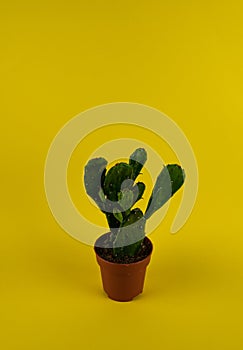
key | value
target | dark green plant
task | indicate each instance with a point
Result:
(116, 192)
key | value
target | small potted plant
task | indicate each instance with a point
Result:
(124, 252)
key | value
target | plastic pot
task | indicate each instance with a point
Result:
(123, 282)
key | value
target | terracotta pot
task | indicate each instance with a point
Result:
(123, 282)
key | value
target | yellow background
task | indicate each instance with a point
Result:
(59, 58)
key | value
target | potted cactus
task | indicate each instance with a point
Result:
(124, 252)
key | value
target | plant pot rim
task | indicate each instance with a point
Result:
(123, 264)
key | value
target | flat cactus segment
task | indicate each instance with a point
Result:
(114, 179)
(177, 175)
(126, 199)
(118, 215)
(130, 234)
(138, 191)
(137, 160)
(168, 182)
(134, 216)
(94, 175)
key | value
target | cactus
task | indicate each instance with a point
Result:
(116, 192)
(168, 182)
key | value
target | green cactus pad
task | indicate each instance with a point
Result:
(167, 184)
(131, 234)
(94, 175)
(137, 160)
(138, 189)
(114, 179)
